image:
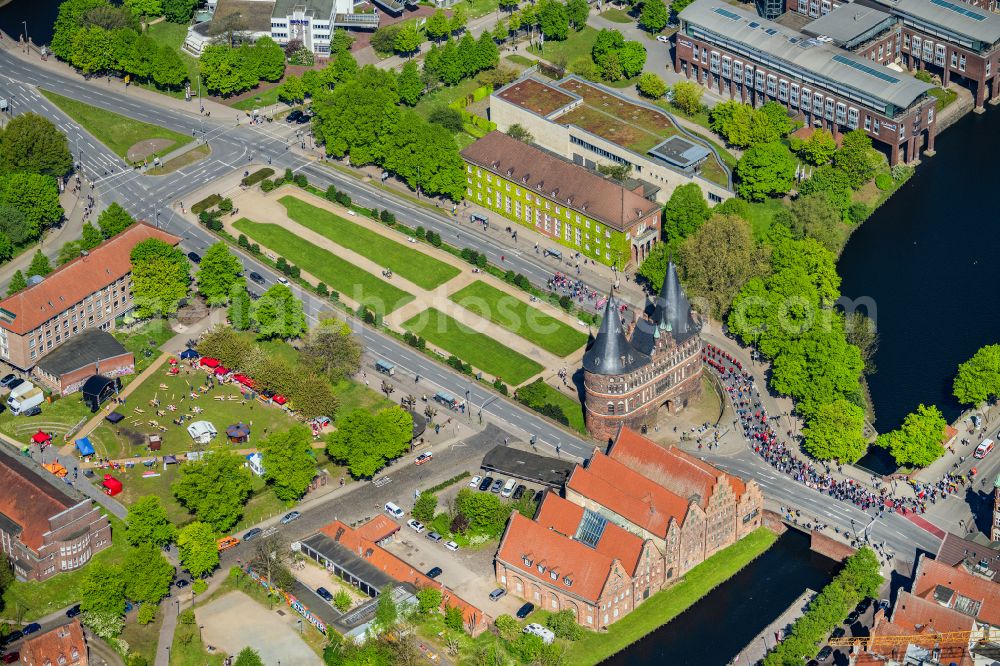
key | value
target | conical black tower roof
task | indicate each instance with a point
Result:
(611, 353)
(673, 310)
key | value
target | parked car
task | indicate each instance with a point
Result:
(825, 653)
(293, 116)
(324, 594)
(838, 632)
(525, 610)
(486, 483)
(7, 380)
(416, 525)
(303, 119)
(289, 517)
(256, 277)
(31, 628)
(253, 534)
(32, 411)
(182, 583)
(852, 618)
(451, 545)
(14, 383)
(863, 605)
(663, 39)
(518, 492)
(508, 488)
(434, 573)
(497, 485)
(194, 257)
(15, 635)
(497, 593)
(74, 611)
(12, 657)
(283, 280)
(424, 457)
(434, 536)
(474, 481)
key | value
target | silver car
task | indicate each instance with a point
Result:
(289, 517)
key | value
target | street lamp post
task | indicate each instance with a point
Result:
(26, 38)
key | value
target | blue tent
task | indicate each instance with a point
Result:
(85, 447)
(189, 354)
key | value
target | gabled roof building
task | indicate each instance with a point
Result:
(632, 521)
(631, 370)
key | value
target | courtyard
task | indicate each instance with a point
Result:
(235, 620)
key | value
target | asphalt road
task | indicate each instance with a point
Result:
(234, 147)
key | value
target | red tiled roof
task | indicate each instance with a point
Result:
(913, 615)
(587, 568)
(631, 495)
(396, 568)
(59, 642)
(931, 573)
(378, 528)
(29, 500)
(573, 186)
(564, 517)
(72, 282)
(674, 469)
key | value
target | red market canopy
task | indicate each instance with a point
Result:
(111, 485)
(41, 437)
(209, 362)
(221, 370)
(243, 379)
(280, 399)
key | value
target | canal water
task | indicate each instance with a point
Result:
(714, 630)
(39, 15)
(928, 262)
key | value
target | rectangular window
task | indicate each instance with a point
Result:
(749, 76)
(760, 80)
(738, 71)
(818, 104)
(875, 127)
(803, 6)
(930, 115)
(881, 51)
(795, 94)
(954, 58)
(829, 108)
(714, 65)
(783, 90)
(694, 53)
(727, 66)
(916, 46)
(806, 100)
(841, 113)
(868, 123)
(772, 85)
(961, 62)
(939, 53)
(852, 118)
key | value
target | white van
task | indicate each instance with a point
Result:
(538, 630)
(508, 488)
(984, 448)
(394, 511)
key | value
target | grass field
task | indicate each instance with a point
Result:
(667, 604)
(477, 8)
(519, 59)
(262, 99)
(761, 214)
(616, 15)
(518, 317)
(406, 260)
(113, 130)
(479, 349)
(570, 406)
(173, 35)
(338, 274)
(576, 45)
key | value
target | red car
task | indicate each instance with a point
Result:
(424, 457)
(11, 657)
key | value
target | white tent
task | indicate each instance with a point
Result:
(202, 432)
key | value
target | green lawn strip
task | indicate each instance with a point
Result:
(113, 130)
(944, 97)
(263, 99)
(419, 268)
(173, 35)
(142, 638)
(519, 59)
(181, 161)
(479, 349)
(478, 8)
(338, 274)
(518, 317)
(616, 15)
(576, 45)
(667, 604)
(37, 599)
(570, 406)
(761, 215)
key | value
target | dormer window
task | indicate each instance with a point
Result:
(568, 581)
(541, 568)
(74, 653)
(527, 561)
(554, 575)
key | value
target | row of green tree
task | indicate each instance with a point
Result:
(228, 69)
(98, 37)
(34, 154)
(859, 579)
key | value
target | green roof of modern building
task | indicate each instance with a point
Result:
(804, 57)
(318, 9)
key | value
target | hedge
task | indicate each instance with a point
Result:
(533, 396)
(445, 484)
(257, 176)
(206, 203)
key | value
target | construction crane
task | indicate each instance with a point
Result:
(930, 639)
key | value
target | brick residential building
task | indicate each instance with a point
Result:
(739, 55)
(911, 635)
(577, 208)
(629, 373)
(45, 526)
(632, 521)
(92, 291)
(62, 646)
